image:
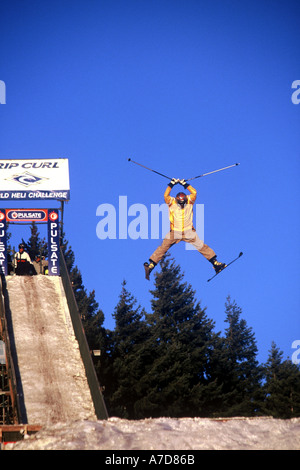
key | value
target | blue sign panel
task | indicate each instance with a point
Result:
(3, 243)
(53, 242)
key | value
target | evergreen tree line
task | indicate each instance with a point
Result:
(171, 362)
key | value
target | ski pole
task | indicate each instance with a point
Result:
(154, 171)
(195, 177)
(211, 172)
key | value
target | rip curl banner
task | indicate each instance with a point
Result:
(33, 179)
(50, 216)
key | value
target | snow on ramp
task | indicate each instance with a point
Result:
(168, 434)
(48, 361)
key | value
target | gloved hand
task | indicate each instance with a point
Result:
(184, 183)
(173, 182)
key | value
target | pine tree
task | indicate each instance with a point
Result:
(241, 374)
(68, 253)
(282, 386)
(76, 280)
(127, 358)
(91, 316)
(177, 375)
(35, 245)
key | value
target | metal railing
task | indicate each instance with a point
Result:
(97, 397)
(10, 407)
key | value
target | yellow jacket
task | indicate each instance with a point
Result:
(181, 219)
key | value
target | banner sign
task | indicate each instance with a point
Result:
(53, 243)
(50, 216)
(26, 215)
(34, 179)
(3, 244)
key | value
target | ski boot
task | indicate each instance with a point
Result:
(217, 265)
(148, 268)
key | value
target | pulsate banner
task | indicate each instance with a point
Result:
(50, 216)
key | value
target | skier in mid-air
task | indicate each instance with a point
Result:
(181, 228)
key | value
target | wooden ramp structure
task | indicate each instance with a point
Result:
(48, 375)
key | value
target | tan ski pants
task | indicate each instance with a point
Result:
(190, 236)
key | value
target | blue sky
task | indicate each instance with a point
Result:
(183, 87)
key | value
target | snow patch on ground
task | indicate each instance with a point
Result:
(168, 434)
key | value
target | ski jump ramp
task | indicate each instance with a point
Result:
(51, 373)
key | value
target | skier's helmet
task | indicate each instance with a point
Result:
(181, 199)
(21, 246)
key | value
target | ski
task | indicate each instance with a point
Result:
(235, 259)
